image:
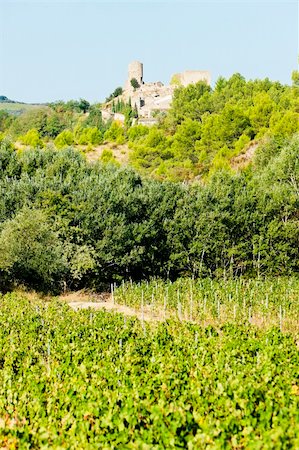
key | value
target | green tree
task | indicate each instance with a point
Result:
(118, 91)
(31, 252)
(295, 78)
(83, 105)
(134, 83)
(94, 118)
(6, 120)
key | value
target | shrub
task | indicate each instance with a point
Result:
(64, 139)
(32, 138)
(115, 133)
(89, 135)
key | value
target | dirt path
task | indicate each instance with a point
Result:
(107, 304)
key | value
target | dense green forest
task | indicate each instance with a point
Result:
(68, 223)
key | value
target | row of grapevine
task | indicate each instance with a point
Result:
(92, 379)
(271, 302)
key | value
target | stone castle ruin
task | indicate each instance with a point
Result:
(155, 96)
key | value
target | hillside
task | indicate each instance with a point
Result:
(17, 108)
(205, 130)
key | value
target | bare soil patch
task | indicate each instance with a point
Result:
(241, 161)
(83, 300)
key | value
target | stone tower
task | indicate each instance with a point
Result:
(135, 71)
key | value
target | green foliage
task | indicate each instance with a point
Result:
(93, 379)
(30, 252)
(284, 124)
(241, 143)
(112, 225)
(295, 78)
(116, 93)
(64, 139)
(220, 301)
(189, 102)
(205, 130)
(89, 135)
(175, 80)
(137, 132)
(5, 120)
(115, 133)
(210, 127)
(55, 125)
(83, 105)
(94, 118)
(107, 157)
(73, 106)
(149, 152)
(32, 138)
(47, 122)
(134, 83)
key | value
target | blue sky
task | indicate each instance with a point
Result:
(52, 50)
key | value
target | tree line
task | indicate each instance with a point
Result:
(67, 223)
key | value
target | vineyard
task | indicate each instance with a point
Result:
(207, 302)
(218, 370)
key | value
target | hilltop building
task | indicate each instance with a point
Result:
(154, 96)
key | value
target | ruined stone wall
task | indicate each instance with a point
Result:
(150, 97)
(193, 76)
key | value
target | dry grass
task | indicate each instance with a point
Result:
(120, 152)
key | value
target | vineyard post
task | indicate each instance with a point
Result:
(180, 311)
(48, 359)
(165, 307)
(112, 293)
(280, 317)
(142, 309)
